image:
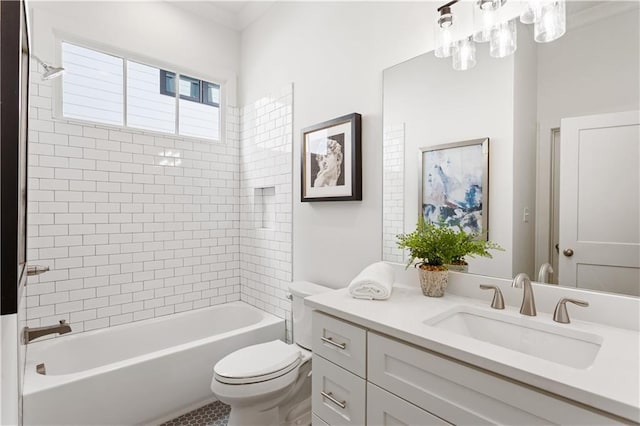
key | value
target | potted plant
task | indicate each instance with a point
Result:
(472, 245)
(436, 247)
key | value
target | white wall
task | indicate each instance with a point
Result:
(157, 31)
(334, 54)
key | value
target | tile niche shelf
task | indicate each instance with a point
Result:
(264, 203)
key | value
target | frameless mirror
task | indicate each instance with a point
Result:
(564, 156)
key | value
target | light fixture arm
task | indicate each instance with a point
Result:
(448, 5)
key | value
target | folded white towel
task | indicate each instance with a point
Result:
(373, 282)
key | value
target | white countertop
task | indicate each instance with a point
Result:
(611, 383)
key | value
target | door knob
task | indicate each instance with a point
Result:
(36, 269)
(568, 252)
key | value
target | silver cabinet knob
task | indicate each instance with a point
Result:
(568, 252)
(36, 270)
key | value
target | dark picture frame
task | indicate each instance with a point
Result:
(331, 162)
(454, 185)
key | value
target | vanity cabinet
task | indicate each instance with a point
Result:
(363, 377)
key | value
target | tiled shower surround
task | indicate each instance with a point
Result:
(266, 203)
(134, 225)
(393, 192)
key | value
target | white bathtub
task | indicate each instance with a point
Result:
(138, 372)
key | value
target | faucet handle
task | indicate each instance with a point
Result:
(561, 314)
(498, 300)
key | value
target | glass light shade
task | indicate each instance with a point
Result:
(531, 12)
(444, 42)
(483, 22)
(504, 39)
(552, 23)
(464, 55)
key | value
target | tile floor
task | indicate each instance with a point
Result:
(214, 414)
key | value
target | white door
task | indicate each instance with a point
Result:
(600, 207)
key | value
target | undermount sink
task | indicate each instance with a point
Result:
(565, 346)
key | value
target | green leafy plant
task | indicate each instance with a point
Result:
(432, 244)
(436, 246)
(472, 245)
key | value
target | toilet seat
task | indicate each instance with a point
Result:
(258, 363)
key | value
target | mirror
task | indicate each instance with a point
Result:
(564, 130)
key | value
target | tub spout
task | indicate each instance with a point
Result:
(31, 333)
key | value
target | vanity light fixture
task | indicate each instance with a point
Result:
(547, 16)
(443, 36)
(552, 23)
(531, 12)
(483, 21)
(503, 40)
(464, 56)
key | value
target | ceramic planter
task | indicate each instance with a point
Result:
(458, 267)
(433, 280)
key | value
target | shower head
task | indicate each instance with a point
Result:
(50, 71)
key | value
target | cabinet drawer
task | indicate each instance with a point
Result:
(464, 395)
(338, 397)
(317, 421)
(384, 408)
(340, 342)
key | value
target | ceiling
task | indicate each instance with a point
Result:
(233, 14)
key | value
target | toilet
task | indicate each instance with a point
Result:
(270, 383)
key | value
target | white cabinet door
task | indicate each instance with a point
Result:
(384, 408)
(600, 202)
(463, 395)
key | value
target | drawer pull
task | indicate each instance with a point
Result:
(330, 341)
(330, 397)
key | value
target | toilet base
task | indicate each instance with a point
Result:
(299, 415)
(243, 416)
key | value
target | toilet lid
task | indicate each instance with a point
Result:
(257, 363)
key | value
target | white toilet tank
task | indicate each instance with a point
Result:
(301, 313)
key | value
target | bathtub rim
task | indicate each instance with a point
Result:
(35, 383)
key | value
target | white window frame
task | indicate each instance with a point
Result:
(57, 111)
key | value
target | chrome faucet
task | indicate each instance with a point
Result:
(35, 332)
(498, 300)
(528, 307)
(544, 272)
(561, 314)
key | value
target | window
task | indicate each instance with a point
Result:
(190, 88)
(199, 107)
(92, 87)
(94, 90)
(146, 107)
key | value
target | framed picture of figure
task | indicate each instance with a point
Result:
(454, 188)
(331, 165)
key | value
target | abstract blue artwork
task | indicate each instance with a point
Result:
(454, 185)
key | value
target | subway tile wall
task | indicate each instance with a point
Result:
(133, 225)
(393, 192)
(266, 139)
